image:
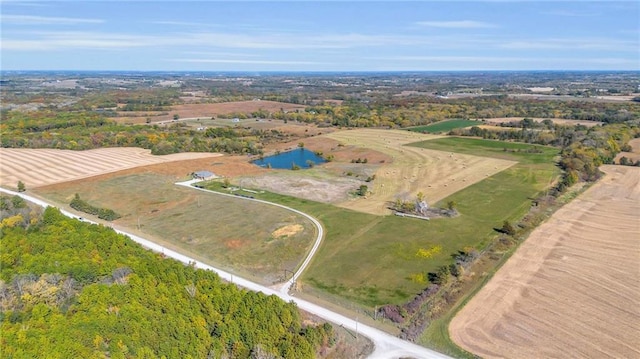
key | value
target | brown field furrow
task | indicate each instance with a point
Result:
(47, 167)
(572, 289)
(38, 167)
(76, 161)
(46, 159)
(50, 162)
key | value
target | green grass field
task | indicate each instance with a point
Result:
(231, 233)
(371, 259)
(444, 126)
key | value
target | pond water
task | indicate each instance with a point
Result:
(285, 160)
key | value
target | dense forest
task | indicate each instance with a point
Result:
(69, 289)
(88, 130)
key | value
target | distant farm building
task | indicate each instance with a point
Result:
(202, 175)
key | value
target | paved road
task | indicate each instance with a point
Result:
(386, 346)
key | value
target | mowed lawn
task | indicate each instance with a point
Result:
(444, 126)
(370, 260)
(231, 233)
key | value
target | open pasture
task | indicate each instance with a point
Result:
(437, 174)
(379, 253)
(572, 288)
(254, 239)
(39, 167)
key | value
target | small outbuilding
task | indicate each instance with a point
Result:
(202, 175)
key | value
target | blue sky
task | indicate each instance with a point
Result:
(320, 35)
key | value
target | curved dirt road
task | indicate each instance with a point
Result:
(386, 345)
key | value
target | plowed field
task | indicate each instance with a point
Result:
(39, 167)
(572, 289)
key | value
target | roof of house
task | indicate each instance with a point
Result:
(202, 174)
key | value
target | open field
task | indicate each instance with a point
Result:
(558, 121)
(437, 174)
(38, 167)
(205, 110)
(444, 126)
(253, 239)
(379, 252)
(572, 288)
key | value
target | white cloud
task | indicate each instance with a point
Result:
(460, 24)
(46, 20)
(64, 40)
(451, 58)
(241, 61)
(570, 13)
(204, 41)
(602, 44)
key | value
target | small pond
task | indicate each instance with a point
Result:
(285, 160)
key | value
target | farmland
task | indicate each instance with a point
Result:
(380, 147)
(379, 251)
(572, 287)
(38, 167)
(437, 174)
(215, 228)
(231, 233)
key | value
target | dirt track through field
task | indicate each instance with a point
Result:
(572, 289)
(39, 167)
(437, 174)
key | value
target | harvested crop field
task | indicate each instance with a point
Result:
(39, 167)
(572, 289)
(437, 174)
(557, 121)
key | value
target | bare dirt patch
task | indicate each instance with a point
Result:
(234, 243)
(315, 185)
(39, 167)
(560, 121)
(572, 288)
(436, 174)
(287, 231)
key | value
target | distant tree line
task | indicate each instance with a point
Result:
(88, 130)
